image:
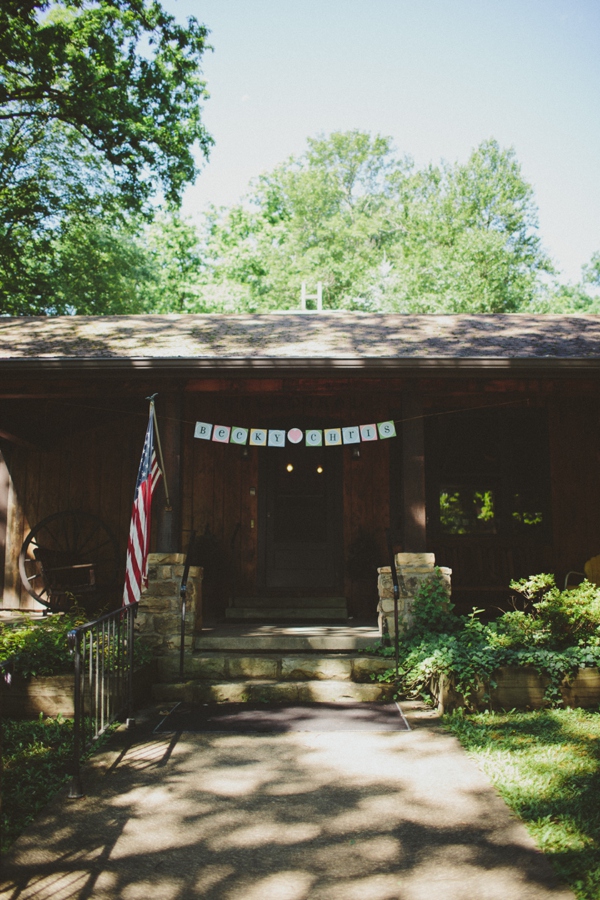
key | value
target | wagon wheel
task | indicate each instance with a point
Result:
(70, 553)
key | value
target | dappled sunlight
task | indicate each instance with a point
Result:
(262, 834)
(292, 816)
(59, 884)
(149, 753)
(292, 885)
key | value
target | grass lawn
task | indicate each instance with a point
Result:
(546, 765)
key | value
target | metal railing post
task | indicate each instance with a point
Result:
(396, 598)
(76, 788)
(183, 595)
(130, 663)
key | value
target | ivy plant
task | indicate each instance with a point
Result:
(557, 634)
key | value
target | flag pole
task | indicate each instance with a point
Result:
(160, 453)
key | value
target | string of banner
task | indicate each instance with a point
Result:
(278, 437)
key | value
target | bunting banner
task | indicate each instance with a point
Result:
(279, 437)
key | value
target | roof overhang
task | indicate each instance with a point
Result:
(455, 366)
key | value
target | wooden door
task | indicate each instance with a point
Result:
(301, 531)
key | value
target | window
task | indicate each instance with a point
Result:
(488, 474)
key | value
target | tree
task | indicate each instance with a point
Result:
(121, 73)
(580, 298)
(382, 235)
(99, 111)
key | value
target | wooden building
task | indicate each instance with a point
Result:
(495, 466)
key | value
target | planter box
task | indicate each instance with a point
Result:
(520, 687)
(52, 695)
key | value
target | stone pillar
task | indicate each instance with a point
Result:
(413, 569)
(158, 620)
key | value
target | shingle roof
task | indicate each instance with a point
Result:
(294, 336)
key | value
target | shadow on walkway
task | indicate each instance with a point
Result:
(294, 815)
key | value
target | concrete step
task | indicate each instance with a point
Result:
(277, 637)
(270, 691)
(281, 602)
(221, 666)
(286, 613)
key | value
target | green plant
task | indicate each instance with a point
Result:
(41, 647)
(432, 608)
(563, 618)
(36, 757)
(557, 637)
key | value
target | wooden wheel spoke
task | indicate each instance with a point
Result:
(66, 540)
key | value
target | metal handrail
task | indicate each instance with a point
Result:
(103, 683)
(183, 596)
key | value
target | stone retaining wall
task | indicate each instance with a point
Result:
(158, 621)
(52, 695)
(413, 569)
(521, 687)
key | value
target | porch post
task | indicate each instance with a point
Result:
(4, 493)
(414, 518)
(169, 408)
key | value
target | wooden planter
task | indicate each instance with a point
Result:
(52, 695)
(520, 687)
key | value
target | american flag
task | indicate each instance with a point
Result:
(136, 570)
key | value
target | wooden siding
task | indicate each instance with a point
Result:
(80, 466)
(92, 470)
(218, 480)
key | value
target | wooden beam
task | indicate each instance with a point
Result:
(413, 474)
(169, 409)
(4, 486)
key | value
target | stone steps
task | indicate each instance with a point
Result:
(285, 677)
(284, 666)
(267, 691)
(265, 602)
(278, 638)
(286, 614)
(288, 609)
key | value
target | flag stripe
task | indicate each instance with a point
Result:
(138, 545)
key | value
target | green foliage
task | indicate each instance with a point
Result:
(40, 647)
(36, 758)
(546, 766)
(562, 618)
(381, 235)
(122, 74)
(432, 607)
(559, 635)
(75, 174)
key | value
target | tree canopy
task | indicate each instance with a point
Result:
(381, 234)
(99, 111)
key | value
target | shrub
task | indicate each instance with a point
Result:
(557, 636)
(39, 647)
(432, 607)
(562, 618)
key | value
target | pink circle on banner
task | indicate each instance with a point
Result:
(294, 435)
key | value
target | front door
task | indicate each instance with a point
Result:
(302, 506)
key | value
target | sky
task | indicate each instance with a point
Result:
(438, 76)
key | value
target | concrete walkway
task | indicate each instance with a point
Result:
(332, 815)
